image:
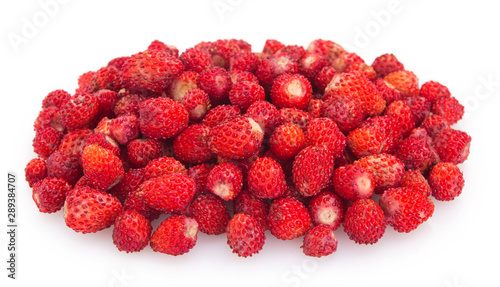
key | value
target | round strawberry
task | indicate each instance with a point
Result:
(196, 60)
(163, 166)
(414, 179)
(162, 118)
(291, 91)
(449, 108)
(405, 209)
(49, 194)
(64, 166)
(344, 110)
(56, 99)
(249, 204)
(199, 173)
(387, 91)
(265, 114)
(49, 118)
(35, 170)
(312, 170)
(353, 182)
(107, 100)
(220, 114)
(435, 124)
(404, 81)
(287, 141)
(196, 103)
(420, 108)
(266, 179)
(128, 104)
(176, 235)
(89, 210)
(288, 218)
(134, 202)
(101, 167)
(74, 141)
(244, 94)
(452, 145)
(79, 111)
(416, 152)
(400, 112)
(245, 235)
(325, 132)
(387, 170)
(211, 213)
(364, 222)
(141, 151)
(386, 64)
(131, 231)
(216, 82)
(446, 181)
(46, 142)
(125, 128)
(225, 180)
(191, 145)
(326, 48)
(131, 180)
(295, 116)
(319, 241)
(103, 141)
(168, 193)
(243, 60)
(327, 208)
(433, 90)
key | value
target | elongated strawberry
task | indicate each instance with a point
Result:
(288, 218)
(364, 222)
(176, 235)
(211, 214)
(245, 235)
(103, 168)
(162, 118)
(266, 179)
(168, 193)
(131, 232)
(225, 180)
(319, 241)
(312, 169)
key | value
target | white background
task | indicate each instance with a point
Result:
(447, 41)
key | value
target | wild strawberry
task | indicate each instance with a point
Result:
(176, 235)
(101, 167)
(346, 59)
(46, 142)
(310, 64)
(325, 132)
(324, 77)
(435, 124)
(272, 46)
(217, 83)
(168, 193)
(243, 61)
(326, 48)
(387, 170)
(404, 81)
(353, 182)
(433, 90)
(287, 141)
(312, 170)
(416, 152)
(106, 78)
(221, 114)
(288, 218)
(238, 138)
(265, 114)
(386, 64)
(141, 151)
(274, 66)
(266, 179)
(197, 104)
(65, 166)
(49, 194)
(35, 170)
(211, 214)
(345, 111)
(199, 173)
(414, 179)
(245, 235)
(360, 88)
(85, 83)
(125, 128)
(246, 202)
(129, 183)
(89, 210)
(405, 208)
(225, 180)
(74, 141)
(239, 76)
(134, 202)
(452, 145)
(103, 141)
(131, 232)
(196, 60)
(387, 91)
(162, 118)
(163, 166)
(291, 91)
(79, 111)
(403, 115)
(182, 84)
(169, 49)
(326, 208)
(191, 145)
(128, 104)
(449, 108)
(49, 118)
(363, 69)
(295, 52)
(295, 116)
(446, 181)
(420, 108)
(118, 62)
(150, 72)
(364, 222)
(315, 108)
(244, 94)
(103, 126)
(319, 241)
(55, 99)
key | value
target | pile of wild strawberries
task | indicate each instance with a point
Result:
(225, 140)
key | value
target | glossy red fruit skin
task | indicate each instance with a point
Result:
(243, 94)
(288, 218)
(175, 236)
(353, 182)
(312, 170)
(211, 214)
(191, 145)
(79, 111)
(291, 91)
(249, 204)
(220, 114)
(103, 168)
(446, 181)
(415, 180)
(131, 232)
(325, 132)
(417, 152)
(449, 108)
(387, 170)
(319, 241)
(386, 64)
(162, 118)
(266, 115)
(452, 145)
(364, 222)
(345, 111)
(433, 91)
(35, 170)
(131, 180)
(404, 81)
(245, 235)
(266, 179)
(50, 193)
(196, 60)
(216, 82)
(141, 151)
(65, 166)
(163, 166)
(225, 180)
(327, 208)
(287, 141)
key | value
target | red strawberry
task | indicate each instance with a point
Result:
(420, 108)
(197, 104)
(324, 77)
(273, 66)
(134, 202)
(46, 142)
(118, 62)
(272, 46)
(49, 194)
(217, 83)
(435, 124)
(245, 235)
(249, 204)
(446, 181)
(449, 108)
(225, 180)
(128, 104)
(386, 64)
(103, 125)
(404, 81)
(163, 166)
(327, 208)
(319, 241)
(131, 180)
(150, 72)
(169, 49)
(315, 108)
(325, 132)
(310, 64)
(220, 114)
(387, 170)
(296, 117)
(403, 115)
(199, 173)
(345, 60)
(326, 48)
(291, 91)
(141, 151)
(211, 213)
(243, 61)
(312, 169)
(266, 179)
(106, 78)
(265, 114)
(64, 166)
(238, 138)
(35, 170)
(196, 60)
(168, 193)
(85, 83)
(345, 111)
(107, 100)
(49, 118)
(414, 179)
(387, 91)
(183, 84)
(101, 167)
(452, 145)
(191, 145)
(288, 218)
(74, 141)
(405, 208)
(79, 111)
(287, 141)
(353, 182)
(162, 118)
(433, 90)
(125, 128)
(239, 76)
(295, 52)
(103, 141)
(364, 222)
(89, 210)
(243, 94)
(56, 99)
(131, 231)
(176, 235)
(416, 152)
